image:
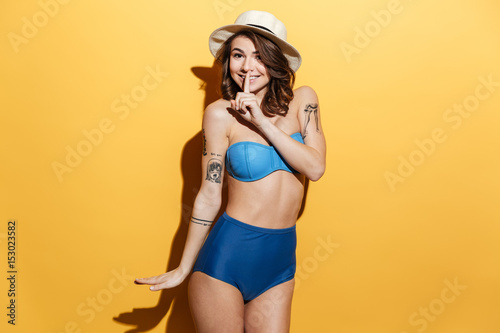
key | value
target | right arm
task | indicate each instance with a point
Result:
(208, 200)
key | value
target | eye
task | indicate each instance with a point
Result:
(237, 55)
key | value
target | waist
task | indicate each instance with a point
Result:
(272, 202)
(255, 228)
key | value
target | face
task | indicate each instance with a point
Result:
(246, 59)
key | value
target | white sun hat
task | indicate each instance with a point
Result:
(263, 23)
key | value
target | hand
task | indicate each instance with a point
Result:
(246, 104)
(163, 281)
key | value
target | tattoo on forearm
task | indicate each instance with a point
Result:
(310, 109)
(204, 143)
(214, 170)
(201, 222)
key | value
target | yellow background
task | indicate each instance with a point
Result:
(394, 249)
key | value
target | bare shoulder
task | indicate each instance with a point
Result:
(217, 110)
(217, 119)
(305, 94)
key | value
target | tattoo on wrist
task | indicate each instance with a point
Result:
(201, 222)
(214, 170)
(310, 109)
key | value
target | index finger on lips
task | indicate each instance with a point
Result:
(246, 83)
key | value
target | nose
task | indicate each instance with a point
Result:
(248, 65)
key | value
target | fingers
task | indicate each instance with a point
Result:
(244, 100)
(239, 105)
(155, 281)
(152, 280)
(241, 101)
(166, 280)
(246, 83)
(157, 287)
(148, 280)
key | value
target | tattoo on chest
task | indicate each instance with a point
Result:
(311, 109)
(214, 170)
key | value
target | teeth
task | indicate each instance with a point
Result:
(251, 77)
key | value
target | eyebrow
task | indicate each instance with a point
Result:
(240, 50)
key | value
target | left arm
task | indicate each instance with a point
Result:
(309, 158)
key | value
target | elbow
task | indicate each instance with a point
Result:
(316, 176)
(206, 206)
(211, 204)
(208, 199)
(316, 172)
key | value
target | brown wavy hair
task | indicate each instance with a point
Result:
(280, 87)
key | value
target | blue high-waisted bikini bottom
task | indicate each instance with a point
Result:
(251, 258)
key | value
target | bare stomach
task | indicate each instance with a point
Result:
(271, 202)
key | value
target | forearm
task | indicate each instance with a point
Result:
(306, 160)
(204, 210)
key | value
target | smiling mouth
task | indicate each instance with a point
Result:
(251, 77)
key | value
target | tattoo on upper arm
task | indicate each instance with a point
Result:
(214, 170)
(204, 143)
(309, 110)
(201, 222)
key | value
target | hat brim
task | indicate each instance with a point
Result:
(219, 36)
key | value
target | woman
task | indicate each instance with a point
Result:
(267, 137)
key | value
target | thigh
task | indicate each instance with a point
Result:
(216, 306)
(270, 311)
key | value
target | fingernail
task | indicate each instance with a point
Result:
(151, 288)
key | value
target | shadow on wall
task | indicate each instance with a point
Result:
(176, 300)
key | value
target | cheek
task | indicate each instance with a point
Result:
(233, 73)
(233, 66)
(263, 70)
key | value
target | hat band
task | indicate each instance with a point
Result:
(261, 27)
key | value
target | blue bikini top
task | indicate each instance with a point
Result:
(248, 161)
